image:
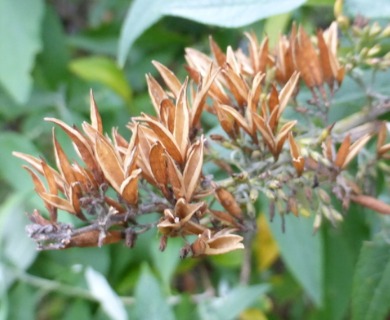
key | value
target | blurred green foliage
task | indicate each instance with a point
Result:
(52, 53)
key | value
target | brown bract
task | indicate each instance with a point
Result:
(220, 242)
(105, 163)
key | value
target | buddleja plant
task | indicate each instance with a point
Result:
(299, 165)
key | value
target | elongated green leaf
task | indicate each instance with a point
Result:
(166, 262)
(371, 287)
(20, 28)
(233, 303)
(229, 13)
(17, 249)
(103, 292)
(370, 9)
(151, 304)
(302, 252)
(141, 15)
(224, 13)
(102, 70)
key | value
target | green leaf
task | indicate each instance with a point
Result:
(102, 70)
(16, 248)
(371, 287)
(339, 265)
(52, 61)
(141, 15)
(20, 28)
(370, 9)
(224, 13)
(302, 252)
(10, 169)
(102, 291)
(151, 304)
(166, 262)
(233, 303)
(22, 301)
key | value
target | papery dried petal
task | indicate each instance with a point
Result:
(237, 117)
(219, 56)
(58, 202)
(109, 162)
(82, 146)
(62, 162)
(165, 137)
(175, 179)
(156, 93)
(129, 187)
(286, 92)
(96, 120)
(169, 78)
(355, 148)
(158, 165)
(193, 168)
(201, 95)
(182, 120)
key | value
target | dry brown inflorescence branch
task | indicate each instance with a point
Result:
(165, 157)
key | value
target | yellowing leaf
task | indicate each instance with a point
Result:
(266, 248)
(102, 70)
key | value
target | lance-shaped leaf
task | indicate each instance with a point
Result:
(109, 162)
(298, 160)
(82, 146)
(193, 168)
(182, 120)
(164, 136)
(169, 78)
(129, 187)
(96, 120)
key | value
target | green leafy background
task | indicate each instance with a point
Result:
(52, 53)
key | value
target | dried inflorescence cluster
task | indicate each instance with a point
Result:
(160, 169)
